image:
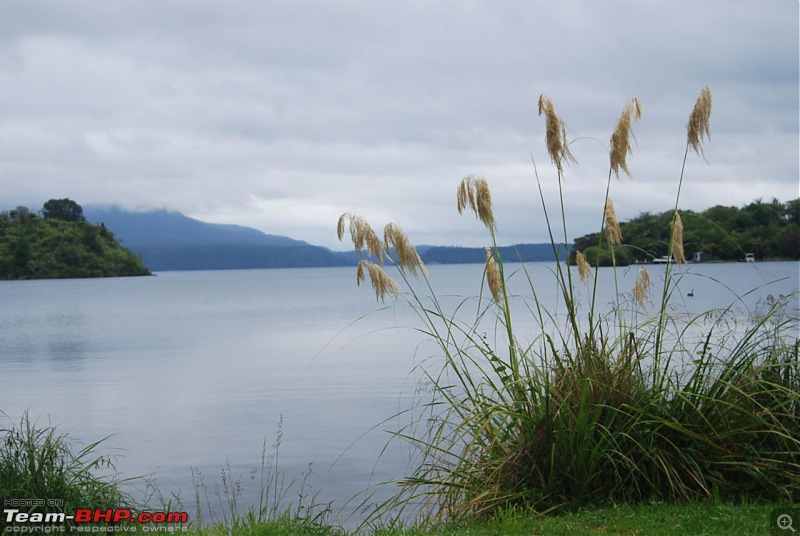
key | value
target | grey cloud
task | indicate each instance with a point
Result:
(250, 111)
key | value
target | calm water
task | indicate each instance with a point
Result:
(197, 369)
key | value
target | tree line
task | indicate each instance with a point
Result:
(768, 230)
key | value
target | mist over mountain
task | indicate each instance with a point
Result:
(163, 227)
(167, 240)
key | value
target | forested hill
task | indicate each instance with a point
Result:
(60, 244)
(768, 230)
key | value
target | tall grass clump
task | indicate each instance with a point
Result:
(629, 404)
(45, 466)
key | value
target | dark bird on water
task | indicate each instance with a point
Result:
(691, 294)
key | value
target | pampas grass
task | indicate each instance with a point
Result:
(641, 286)
(594, 407)
(612, 229)
(407, 257)
(362, 235)
(493, 277)
(473, 192)
(621, 138)
(584, 270)
(555, 135)
(382, 284)
(677, 240)
(699, 122)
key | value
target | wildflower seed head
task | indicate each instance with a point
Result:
(698, 126)
(493, 277)
(474, 192)
(612, 230)
(677, 240)
(584, 270)
(381, 283)
(555, 135)
(362, 235)
(621, 138)
(641, 286)
(407, 256)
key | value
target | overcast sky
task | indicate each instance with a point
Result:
(283, 115)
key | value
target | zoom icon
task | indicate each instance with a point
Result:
(784, 521)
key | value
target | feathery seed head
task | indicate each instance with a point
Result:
(474, 192)
(644, 275)
(641, 286)
(340, 225)
(360, 275)
(584, 270)
(555, 135)
(493, 277)
(361, 234)
(466, 195)
(621, 138)
(699, 122)
(407, 256)
(677, 240)
(381, 283)
(613, 232)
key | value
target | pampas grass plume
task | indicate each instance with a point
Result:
(584, 270)
(381, 283)
(699, 126)
(362, 235)
(621, 138)
(555, 135)
(407, 256)
(641, 286)
(474, 192)
(677, 240)
(493, 275)
(613, 232)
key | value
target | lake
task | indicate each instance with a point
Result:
(192, 372)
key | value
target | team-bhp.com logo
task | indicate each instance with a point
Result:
(93, 520)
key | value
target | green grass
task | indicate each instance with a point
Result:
(696, 518)
(38, 462)
(662, 519)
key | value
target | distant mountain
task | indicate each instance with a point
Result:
(162, 227)
(168, 240)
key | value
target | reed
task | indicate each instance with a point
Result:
(600, 406)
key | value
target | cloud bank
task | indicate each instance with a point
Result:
(283, 115)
